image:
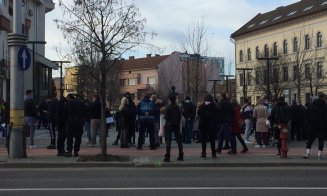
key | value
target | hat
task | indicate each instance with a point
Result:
(187, 98)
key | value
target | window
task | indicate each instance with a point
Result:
(319, 40)
(292, 13)
(265, 77)
(257, 77)
(275, 49)
(319, 70)
(275, 75)
(285, 73)
(257, 52)
(122, 82)
(45, 78)
(263, 22)
(307, 97)
(266, 51)
(295, 44)
(308, 8)
(132, 81)
(249, 54)
(4, 2)
(249, 78)
(151, 80)
(278, 17)
(295, 72)
(307, 71)
(241, 79)
(241, 56)
(306, 42)
(285, 48)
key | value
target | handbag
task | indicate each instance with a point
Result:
(267, 121)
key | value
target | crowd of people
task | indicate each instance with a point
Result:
(211, 120)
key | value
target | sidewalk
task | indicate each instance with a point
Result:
(41, 157)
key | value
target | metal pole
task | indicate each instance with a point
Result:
(244, 93)
(61, 90)
(268, 80)
(34, 86)
(16, 40)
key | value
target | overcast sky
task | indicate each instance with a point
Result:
(169, 18)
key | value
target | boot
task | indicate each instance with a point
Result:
(167, 158)
(203, 155)
(180, 157)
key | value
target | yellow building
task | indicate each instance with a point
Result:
(70, 82)
(296, 35)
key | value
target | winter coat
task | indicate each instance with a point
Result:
(317, 119)
(281, 113)
(29, 108)
(237, 121)
(96, 110)
(208, 117)
(226, 111)
(75, 110)
(261, 114)
(172, 115)
(188, 110)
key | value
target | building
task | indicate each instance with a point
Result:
(39, 75)
(188, 73)
(295, 35)
(70, 80)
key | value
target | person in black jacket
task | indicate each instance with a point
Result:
(225, 118)
(173, 119)
(280, 117)
(75, 119)
(317, 118)
(51, 114)
(188, 113)
(61, 125)
(208, 112)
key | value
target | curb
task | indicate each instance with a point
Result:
(156, 165)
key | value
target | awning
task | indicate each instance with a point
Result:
(41, 59)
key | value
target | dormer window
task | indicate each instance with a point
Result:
(278, 17)
(292, 13)
(263, 22)
(308, 8)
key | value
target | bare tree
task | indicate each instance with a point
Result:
(196, 42)
(100, 31)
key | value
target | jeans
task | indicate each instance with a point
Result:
(225, 132)
(95, 126)
(87, 129)
(29, 120)
(53, 132)
(74, 132)
(211, 136)
(188, 130)
(146, 124)
(168, 137)
(320, 143)
(248, 127)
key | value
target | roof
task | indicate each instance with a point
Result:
(283, 14)
(43, 60)
(143, 63)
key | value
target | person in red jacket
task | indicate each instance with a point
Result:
(237, 124)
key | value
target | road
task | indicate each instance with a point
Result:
(164, 181)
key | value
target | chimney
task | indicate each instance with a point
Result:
(148, 56)
(131, 57)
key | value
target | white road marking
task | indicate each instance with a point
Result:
(162, 188)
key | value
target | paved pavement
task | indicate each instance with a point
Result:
(42, 157)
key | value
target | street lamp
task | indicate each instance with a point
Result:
(214, 87)
(36, 90)
(227, 77)
(268, 59)
(61, 83)
(244, 83)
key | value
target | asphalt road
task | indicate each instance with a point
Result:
(164, 181)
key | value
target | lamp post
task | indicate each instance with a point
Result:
(214, 87)
(36, 90)
(268, 59)
(227, 77)
(61, 83)
(244, 83)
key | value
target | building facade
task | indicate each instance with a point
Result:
(293, 39)
(39, 75)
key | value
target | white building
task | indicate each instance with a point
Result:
(34, 12)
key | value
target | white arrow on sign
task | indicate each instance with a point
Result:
(24, 57)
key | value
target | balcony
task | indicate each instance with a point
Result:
(134, 88)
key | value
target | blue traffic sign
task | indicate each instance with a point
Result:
(24, 58)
